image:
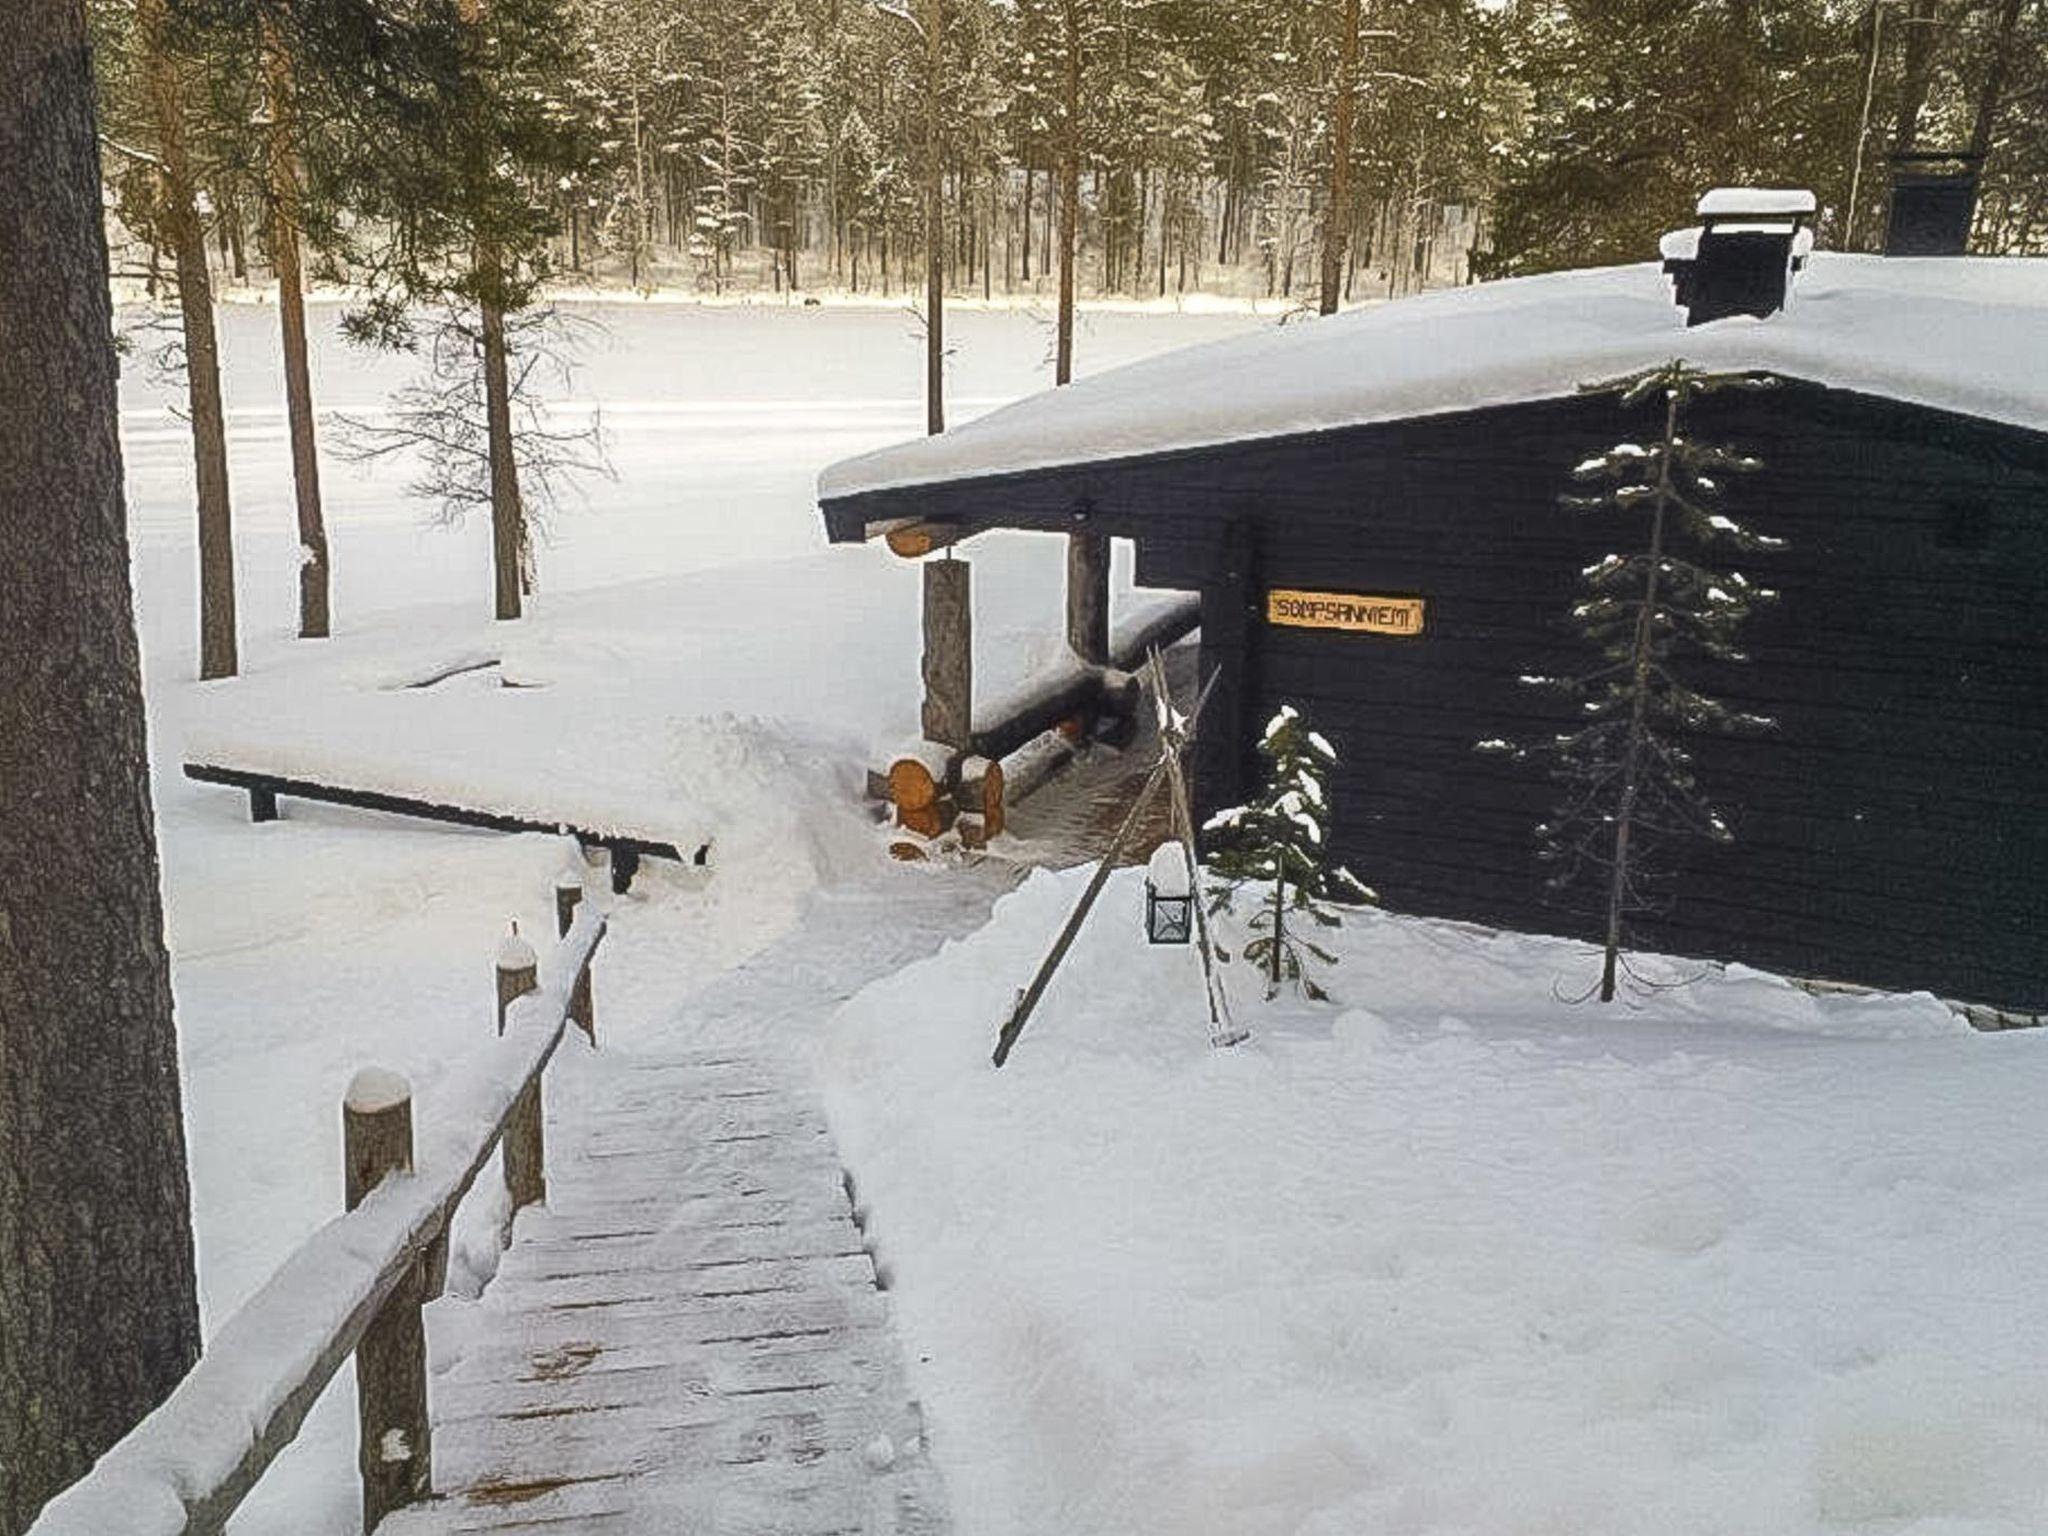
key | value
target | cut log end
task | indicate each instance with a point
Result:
(912, 786)
(925, 820)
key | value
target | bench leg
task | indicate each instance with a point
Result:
(262, 804)
(625, 865)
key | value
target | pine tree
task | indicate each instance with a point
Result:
(1279, 842)
(99, 1308)
(1630, 789)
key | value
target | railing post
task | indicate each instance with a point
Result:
(568, 897)
(395, 1449)
(525, 1158)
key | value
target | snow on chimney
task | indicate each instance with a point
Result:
(1740, 258)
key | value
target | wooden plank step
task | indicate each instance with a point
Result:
(651, 1218)
(685, 1321)
(709, 1281)
(684, 1438)
(619, 1379)
(564, 1369)
(573, 1185)
(666, 1507)
(681, 1252)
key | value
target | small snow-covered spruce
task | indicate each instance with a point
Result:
(1278, 846)
(1630, 790)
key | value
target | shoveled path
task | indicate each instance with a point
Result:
(689, 1337)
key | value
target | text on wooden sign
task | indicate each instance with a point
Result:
(1345, 610)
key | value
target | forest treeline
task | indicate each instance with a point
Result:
(785, 142)
(445, 159)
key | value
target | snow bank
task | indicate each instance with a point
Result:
(1960, 334)
(1451, 1255)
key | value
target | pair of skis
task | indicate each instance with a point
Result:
(1176, 735)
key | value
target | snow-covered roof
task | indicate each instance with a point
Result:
(1962, 334)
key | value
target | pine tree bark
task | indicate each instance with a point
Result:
(1916, 73)
(98, 1306)
(314, 616)
(1337, 205)
(935, 228)
(1087, 553)
(1070, 187)
(508, 533)
(1992, 95)
(187, 236)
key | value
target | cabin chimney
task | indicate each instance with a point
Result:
(1934, 201)
(1740, 258)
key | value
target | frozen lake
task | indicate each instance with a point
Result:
(719, 419)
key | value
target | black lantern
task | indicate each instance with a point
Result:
(1169, 903)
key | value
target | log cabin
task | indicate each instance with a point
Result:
(1368, 507)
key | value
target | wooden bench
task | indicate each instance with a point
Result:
(265, 788)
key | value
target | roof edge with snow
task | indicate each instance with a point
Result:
(1957, 334)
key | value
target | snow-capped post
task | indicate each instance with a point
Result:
(394, 1449)
(947, 716)
(1281, 841)
(1624, 768)
(525, 1156)
(517, 969)
(568, 897)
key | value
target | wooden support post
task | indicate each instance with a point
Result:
(948, 714)
(262, 803)
(568, 897)
(525, 1157)
(395, 1447)
(1088, 597)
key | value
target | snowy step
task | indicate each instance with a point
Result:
(685, 1250)
(687, 1336)
(656, 1377)
(743, 1501)
(794, 1430)
(558, 1340)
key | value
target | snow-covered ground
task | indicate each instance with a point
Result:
(708, 664)
(1451, 1255)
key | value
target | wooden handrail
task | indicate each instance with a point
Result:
(185, 1468)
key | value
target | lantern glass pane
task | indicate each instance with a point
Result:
(1168, 919)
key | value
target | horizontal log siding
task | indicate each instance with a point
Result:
(1893, 830)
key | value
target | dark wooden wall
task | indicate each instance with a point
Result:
(1892, 830)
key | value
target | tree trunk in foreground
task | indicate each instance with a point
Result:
(291, 312)
(98, 1309)
(187, 236)
(1337, 209)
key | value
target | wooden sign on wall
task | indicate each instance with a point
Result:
(1345, 610)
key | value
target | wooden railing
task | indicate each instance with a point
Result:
(356, 1286)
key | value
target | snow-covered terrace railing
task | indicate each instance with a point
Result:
(1005, 722)
(356, 1286)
